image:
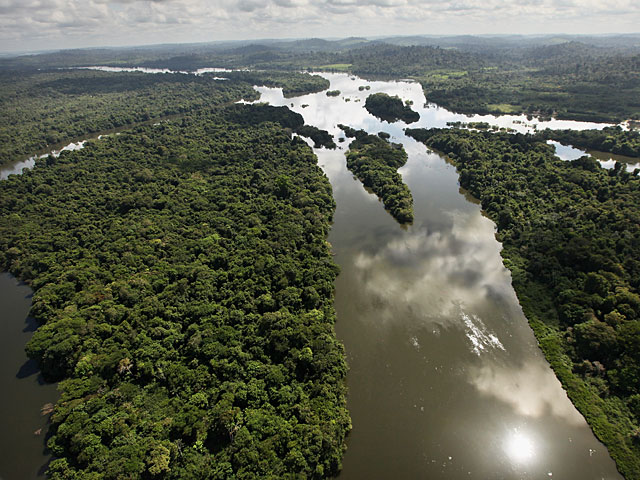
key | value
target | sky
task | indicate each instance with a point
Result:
(32, 25)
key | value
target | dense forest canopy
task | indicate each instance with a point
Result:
(185, 290)
(43, 109)
(181, 271)
(573, 77)
(571, 233)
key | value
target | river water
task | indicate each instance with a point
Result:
(446, 379)
(606, 160)
(22, 442)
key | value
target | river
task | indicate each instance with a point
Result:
(446, 379)
(24, 393)
(606, 160)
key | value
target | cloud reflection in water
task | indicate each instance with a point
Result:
(441, 270)
(531, 390)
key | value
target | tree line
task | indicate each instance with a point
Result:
(610, 139)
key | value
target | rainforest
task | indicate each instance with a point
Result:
(311, 259)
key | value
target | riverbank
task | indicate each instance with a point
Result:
(446, 376)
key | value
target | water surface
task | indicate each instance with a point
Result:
(15, 168)
(22, 443)
(606, 160)
(446, 379)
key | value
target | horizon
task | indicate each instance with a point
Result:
(258, 41)
(28, 26)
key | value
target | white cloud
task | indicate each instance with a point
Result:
(77, 23)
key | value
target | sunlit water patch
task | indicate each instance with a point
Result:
(17, 167)
(519, 447)
(199, 71)
(479, 335)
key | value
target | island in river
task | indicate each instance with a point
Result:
(390, 108)
(375, 161)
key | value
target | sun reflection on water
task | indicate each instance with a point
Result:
(519, 447)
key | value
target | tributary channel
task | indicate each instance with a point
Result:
(446, 379)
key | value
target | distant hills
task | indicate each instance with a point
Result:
(471, 43)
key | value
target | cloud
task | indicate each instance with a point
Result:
(290, 3)
(70, 22)
(250, 5)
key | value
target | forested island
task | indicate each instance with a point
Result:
(571, 233)
(320, 138)
(390, 108)
(375, 161)
(184, 286)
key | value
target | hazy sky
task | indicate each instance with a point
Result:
(48, 24)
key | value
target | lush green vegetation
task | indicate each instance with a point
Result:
(288, 119)
(565, 86)
(609, 139)
(321, 138)
(181, 273)
(375, 162)
(390, 109)
(44, 109)
(571, 80)
(581, 78)
(333, 93)
(184, 287)
(336, 67)
(571, 234)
